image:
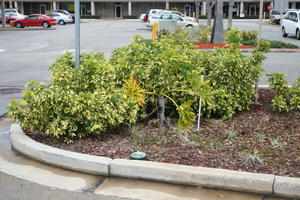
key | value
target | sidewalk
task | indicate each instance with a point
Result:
(65, 183)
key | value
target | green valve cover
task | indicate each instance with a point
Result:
(138, 155)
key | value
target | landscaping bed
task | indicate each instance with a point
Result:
(257, 140)
(212, 46)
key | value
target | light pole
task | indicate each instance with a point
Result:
(3, 13)
(77, 33)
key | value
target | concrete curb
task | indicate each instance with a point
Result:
(61, 158)
(155, 171)
(195, 176)
(287, 187)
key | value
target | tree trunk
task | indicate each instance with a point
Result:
(161, 109)
(231, 3)
(218, 29)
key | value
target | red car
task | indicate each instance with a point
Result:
(34, 20)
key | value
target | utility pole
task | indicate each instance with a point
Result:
(3, 13)
(77, 33)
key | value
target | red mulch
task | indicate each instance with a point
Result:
(221, 45)
(260, 132)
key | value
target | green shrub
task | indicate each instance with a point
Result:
(249, 35)
(77, 102)
(166, 65)
(130, 17)
(89, 17)
(162, 33)
(273, 44)
(204, 35)
(286, 98)
(232, 75)
(165, 68)
(233, 36)
(280, 44)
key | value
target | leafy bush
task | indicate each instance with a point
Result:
(78, 101)
(204, 35)
(169, 64)
(286, 98)
(280, 44)
(89, 17)
(130, 17)
(233, 36)
(166, 68)
(249, 35)
(232, 75)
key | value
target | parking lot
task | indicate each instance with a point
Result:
(27, 54)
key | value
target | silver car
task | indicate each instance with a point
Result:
(60, 18)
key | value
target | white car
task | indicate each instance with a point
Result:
(60, 18)
(180, 14)
(275, 17)
(291, 24)
(180, 21)
(16, 15)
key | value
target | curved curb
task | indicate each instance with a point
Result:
(61, 158)
(155, 171)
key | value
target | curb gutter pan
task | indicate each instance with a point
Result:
(155, 171)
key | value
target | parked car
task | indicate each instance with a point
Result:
(34, 20)
(275, 17)
(11, 11)
(60, 18)
(66, 13)
(291, 24)
(8, 18)
(143, 17)
(180, 21)
(180, 14)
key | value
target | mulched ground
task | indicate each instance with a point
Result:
(220, 45)
(256, 140)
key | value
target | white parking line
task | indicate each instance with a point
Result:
(2, 50)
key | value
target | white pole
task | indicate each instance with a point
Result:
(77, 33)
(199, 112)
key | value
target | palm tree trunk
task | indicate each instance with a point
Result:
(218, 29)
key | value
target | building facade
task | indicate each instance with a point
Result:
(123, 8)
